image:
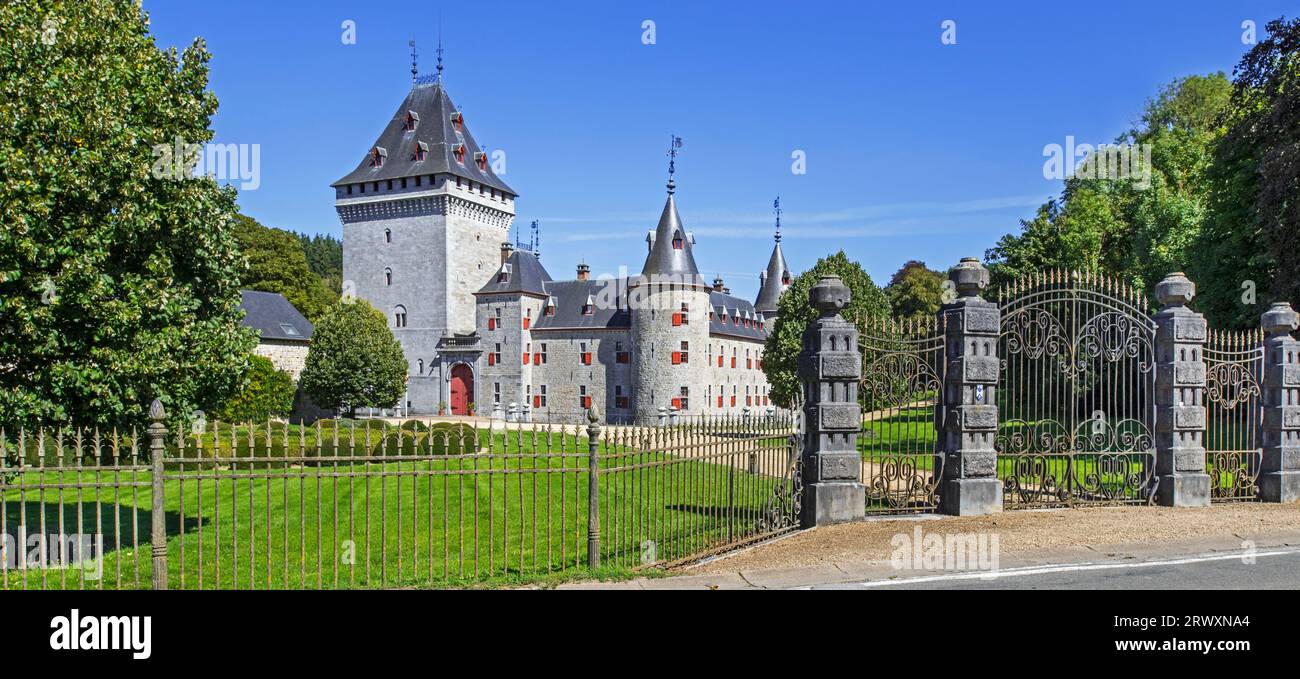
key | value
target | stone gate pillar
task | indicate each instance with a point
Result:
(972, 326)
(1279, 473)
(830, 368)
(1180, 397)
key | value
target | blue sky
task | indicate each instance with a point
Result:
(914, 149)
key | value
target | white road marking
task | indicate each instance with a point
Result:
(1063, 568)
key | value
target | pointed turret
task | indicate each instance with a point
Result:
(671, 258)
(774, 280)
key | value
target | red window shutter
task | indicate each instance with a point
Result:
(677, 403)
(492, 359)
(537, 401)
(492, 324)
(677, 357)
(719, 401)
(719, 361)
(586, 401)
(526, 322)
(733, 401)
(733, 361)
(677, 319)
(749, 364)
(537, 359)
(525, 359)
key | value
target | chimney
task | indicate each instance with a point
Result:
(584, 272)
(718, 285)
(506, 250)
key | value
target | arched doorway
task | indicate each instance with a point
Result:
(462, 389)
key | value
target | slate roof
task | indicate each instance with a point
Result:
(769, 293)
(273, 316)
(720, 301)
(435, 129)
(527, 275)
(664, 259)
(608, 311)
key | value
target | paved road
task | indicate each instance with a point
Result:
(1272, 569)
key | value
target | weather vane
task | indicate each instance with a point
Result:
(776, 207)
(439, 46)
(415, 71)
(673, 146)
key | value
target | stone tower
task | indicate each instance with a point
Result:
(669, 305)
(424, 216)
(772, 284)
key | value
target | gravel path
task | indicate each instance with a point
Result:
(1018, 532)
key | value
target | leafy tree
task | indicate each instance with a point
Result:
(781, 354)
(118, 269)
(915, 292)
(1137, 229)
(1253, 233)
(276, 263)
(325, 259)
(266, 393)
(354, 360)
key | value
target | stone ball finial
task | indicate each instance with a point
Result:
(829, 295)
(156, 412)
(1280, 319)
(969, 276)
(1175, 290)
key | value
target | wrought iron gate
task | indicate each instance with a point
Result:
(902, 374)
(1076, 393)
(1234, 365)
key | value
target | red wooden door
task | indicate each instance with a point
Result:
(462, 389)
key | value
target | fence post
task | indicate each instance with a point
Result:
(158, 515)
(593, 489)
(1180, 397)
(1279, 474)
(972, 326)
(830, 368)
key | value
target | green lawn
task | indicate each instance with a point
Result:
(479, 520)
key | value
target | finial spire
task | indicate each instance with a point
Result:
(673, 146)
(776, 207)
(439, 76)
(415, 70)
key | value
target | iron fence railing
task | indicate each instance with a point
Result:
(370, 503)
(1234, 375)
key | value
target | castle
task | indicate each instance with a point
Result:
(425, 223)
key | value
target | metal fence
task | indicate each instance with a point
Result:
(1234, 372)
(902, 374)
(379, 504)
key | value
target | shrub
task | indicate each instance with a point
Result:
(265, 393)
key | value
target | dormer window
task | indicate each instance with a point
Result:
(458, 150)
(677, 240)
(458, 121)
(785, 278)
(589, 307)
(480, 158)
(377, 156)
(421, 150)
(550, 306)
(412, 121)
(504, 276)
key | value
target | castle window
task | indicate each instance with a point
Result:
(584, 401)
(458, 121)
(421, 368)
(733, 357)
(399, 317)
(496, 392)
(540, 357)
(621, 400)
(528, 318)
(550, 306)
(528, 349)
(683, 356)
(539, 399)
(458, 150)
(421, 149)
(458, 182)
(682, 402)
(388, 233)
(621, 356)
(388, 276)
(363, 187)
(390, 185)
(785, 278)
(504, 276)
(349, 189)
(480, 158)
(677, 240)
(589, 307)
(418, 178)
(412, 121)
(495, 357)
(377, 157)
(403, 182)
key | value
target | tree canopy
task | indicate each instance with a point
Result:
(781, 354)
(118, 284)
(915, 292)
(354, 360)
(277, 262)
(264, 393)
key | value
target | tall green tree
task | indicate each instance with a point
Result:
(1246, 255)
(781, 353)
(915, 292)
(118, 282)
(1139, 228)
(354, 360)
(325, 259)
(277, 263)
